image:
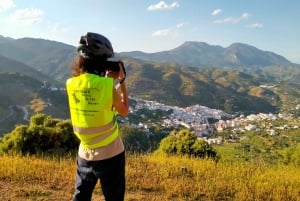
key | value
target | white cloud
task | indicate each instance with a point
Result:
(166, 33)
(178, 26)
(216, 11)
(245, 16)
(255, 26)
(230, 20)
(27, 16)
(161, 32)
(163, 6)
(6, 4)
(169, 32)
(233, 20)
(58, 28)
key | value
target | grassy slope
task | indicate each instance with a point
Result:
(153, 178)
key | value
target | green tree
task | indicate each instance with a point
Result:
(185, 142)
(44, 134)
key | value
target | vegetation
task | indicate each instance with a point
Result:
(183, 86)
(153, 178)
(38, 163)
(231, 90)
(259, 146)
(27, 95)
(43, 135)
(185, 143)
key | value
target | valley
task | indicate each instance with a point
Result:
(12, 108)
(267, 84)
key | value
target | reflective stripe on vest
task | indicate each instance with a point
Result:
(90, 101)
(91, 130)
(95, 137)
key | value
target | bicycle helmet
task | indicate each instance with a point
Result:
(93, 44)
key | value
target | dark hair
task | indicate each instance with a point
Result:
(92, 65)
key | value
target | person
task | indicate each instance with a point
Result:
(94, 103)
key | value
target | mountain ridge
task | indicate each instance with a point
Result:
(11, 66)
(187, 46)
(199, 54)
(50, 57)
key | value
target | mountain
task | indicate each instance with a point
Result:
(54, 58)
(49, 57)
(199, 54)
(239, 55)
(232, 89)
(178, 85)
(11, 66)
(5, 39)
(22, 96)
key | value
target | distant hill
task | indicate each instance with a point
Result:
(54, 58)
(199, 54)
(5, 39)
(242, 57)
(176, 84)
(21, 91)
(11, 66)
(50, 57)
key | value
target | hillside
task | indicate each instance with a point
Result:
(173, 84)
(233, 89)
(182, 86)
(11, 66)
(54, 58)
(49, 57)
(22, 96)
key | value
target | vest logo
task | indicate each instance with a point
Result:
(85, 94)
(76, 100)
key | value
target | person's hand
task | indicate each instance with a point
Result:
(117, 75)
(114, 75)
(122, 72)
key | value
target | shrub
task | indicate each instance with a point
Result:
(43, 135)
(186, 143)
(292, 155)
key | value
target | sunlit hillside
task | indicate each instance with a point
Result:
(23, 96)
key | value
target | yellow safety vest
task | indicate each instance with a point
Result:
(90, 100)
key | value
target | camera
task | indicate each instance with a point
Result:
(104, 66)
(112, 66)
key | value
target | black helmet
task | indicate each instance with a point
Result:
(93, 44)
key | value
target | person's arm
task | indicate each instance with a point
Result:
(120, 99)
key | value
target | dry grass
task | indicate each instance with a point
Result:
(37, 105)
(153, 178)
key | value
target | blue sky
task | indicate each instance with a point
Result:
(154, 25)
